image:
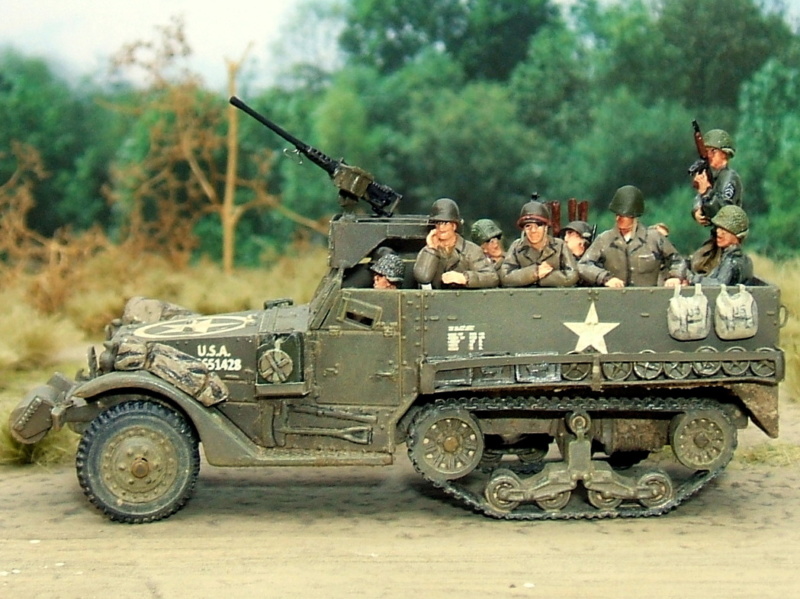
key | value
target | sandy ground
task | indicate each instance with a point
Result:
(382, 532)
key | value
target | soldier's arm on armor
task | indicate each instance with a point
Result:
(672, 261)
(590, 266)
(426, 266)
(566, 275)
(480, 271)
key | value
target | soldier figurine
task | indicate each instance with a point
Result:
(726, 190)
(630, 254)
(448, 260)
(578, 236)
(536, 258)
(387, 272)
(727, 185)
(487, 234)
(735, 267)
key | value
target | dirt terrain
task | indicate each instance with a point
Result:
(382, 532)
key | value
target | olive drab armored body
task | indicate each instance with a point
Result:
(520, 403)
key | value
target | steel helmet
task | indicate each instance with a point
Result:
(533, 212)
(717, 138)
(445, 210)
(732, 218)
(485, 229)
(627, 201)
(390, 266)
(581, 227)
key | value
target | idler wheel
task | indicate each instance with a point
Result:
(703, 439)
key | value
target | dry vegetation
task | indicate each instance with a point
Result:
(36, 341)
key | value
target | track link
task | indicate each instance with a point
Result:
(469, 490)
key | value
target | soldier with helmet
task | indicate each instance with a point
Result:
(487, 234)
(448, 260)
(731, 226)
(536, 258)
(725, 188)
(630, 254)
(387, 272)
(578, 235)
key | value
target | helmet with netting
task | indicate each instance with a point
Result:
(390, 266)
(485, 229)
(732, 218)
(717, 138)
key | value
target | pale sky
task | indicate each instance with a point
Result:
(79, 36)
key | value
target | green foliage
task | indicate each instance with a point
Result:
(71, 132)
(486, 37)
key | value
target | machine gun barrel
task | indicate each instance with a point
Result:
(353, 183)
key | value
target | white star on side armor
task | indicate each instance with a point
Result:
(591, 332)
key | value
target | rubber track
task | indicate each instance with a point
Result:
(565, 405)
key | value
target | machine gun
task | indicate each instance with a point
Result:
(701, 164)
(353, 183)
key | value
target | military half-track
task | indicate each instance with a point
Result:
(519, 403)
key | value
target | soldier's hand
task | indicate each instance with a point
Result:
(672, 282)
(432, 240)
(701, 218)
(615, 283)
(452, 277)
(701, 182)
(544, 270)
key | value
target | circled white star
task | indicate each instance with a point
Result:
(193, 327)
(591, 332)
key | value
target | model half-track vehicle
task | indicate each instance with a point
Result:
(524, 403)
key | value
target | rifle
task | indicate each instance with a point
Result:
(353, 183)
(701, 164)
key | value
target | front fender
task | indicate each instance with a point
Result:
(224, 444)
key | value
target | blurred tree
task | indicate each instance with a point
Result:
(487, 37)
(768, 153)
(183, 161)
(71, 134)
(698, 53)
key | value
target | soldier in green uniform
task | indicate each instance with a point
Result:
(487, 234)
(448, 260)
(727, 186)
(734, 267)
(537, 258)
(630, 254)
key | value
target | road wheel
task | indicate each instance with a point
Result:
(138, 462)
(445, 444)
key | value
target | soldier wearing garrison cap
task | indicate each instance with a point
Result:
(630, 254)
(448, 260)
(536, 258)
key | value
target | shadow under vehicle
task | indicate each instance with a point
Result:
(519, 403)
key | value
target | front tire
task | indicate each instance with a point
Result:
(138, 462)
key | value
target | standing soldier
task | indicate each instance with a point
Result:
(536, 258)
(735, 267)
(630, 254)
(448, 260)
(727, 186)
(487, 234)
